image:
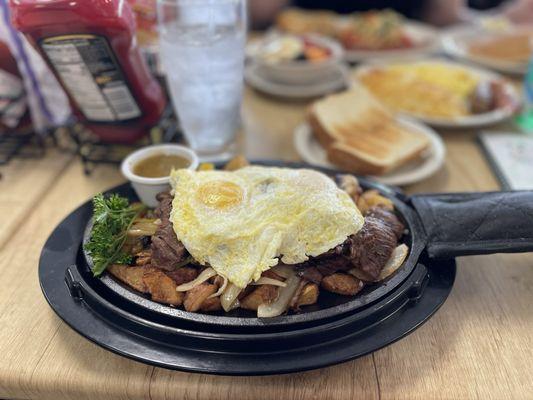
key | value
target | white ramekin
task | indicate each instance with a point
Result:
(148, 188)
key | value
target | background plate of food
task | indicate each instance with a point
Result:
(365, 36)
(441, 93)
(354, 132)
(507, 51)
(295, 66)
(295, 59)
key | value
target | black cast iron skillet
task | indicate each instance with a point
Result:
(336, 330)
(439, 226)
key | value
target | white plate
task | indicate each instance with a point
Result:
(431, 161)
(426, 38)
(331, 83)
(455, 43)
(471, 121)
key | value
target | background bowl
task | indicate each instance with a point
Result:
(300, 72)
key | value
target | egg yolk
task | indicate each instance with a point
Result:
(220, 194)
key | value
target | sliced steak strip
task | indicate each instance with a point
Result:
(370, 249)
(167, 251)
(309, 273)
(183, 275)
(328, 266)
(165, 205)
(316, 268)
(336, 251)
(389, 218)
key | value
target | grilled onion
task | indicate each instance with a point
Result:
(228, 300)
(398, 256)
(144, 227)
(220, 289)
(268, 281)
(283, 270)
(395, 261)
(204, 276)
(281, 304)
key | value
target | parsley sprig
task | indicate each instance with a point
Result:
(112, 217)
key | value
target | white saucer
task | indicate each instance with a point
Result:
(331, 83)
(313, 153)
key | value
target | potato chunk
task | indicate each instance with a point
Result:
(342, 284)
(206, 167)
(195, 297)
(350, 185)
(372, 198)
(236, 163)
(131, 276)
(263, 294)
(210, 305)
(161, 287)
(144, 257)
(308, 295)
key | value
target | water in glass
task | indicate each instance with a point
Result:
(202, 50)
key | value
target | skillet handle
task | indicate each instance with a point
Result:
(461, 224)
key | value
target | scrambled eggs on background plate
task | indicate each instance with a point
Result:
(425, 88)
(241, 222)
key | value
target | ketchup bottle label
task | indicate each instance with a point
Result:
(89, 71)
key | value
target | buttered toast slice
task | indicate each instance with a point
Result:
(361, 135)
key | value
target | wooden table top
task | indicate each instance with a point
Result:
(479, 345)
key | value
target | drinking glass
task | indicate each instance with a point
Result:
(202, 53)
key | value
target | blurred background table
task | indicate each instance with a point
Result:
(479, 345)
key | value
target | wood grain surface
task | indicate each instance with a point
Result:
(479, 345)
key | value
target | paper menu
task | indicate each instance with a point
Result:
(511, 156)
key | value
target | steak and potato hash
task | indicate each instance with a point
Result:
(152, 255)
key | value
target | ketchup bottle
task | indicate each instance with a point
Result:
(90, 45)
(8, 62)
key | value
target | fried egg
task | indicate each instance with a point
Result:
(244, 222)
